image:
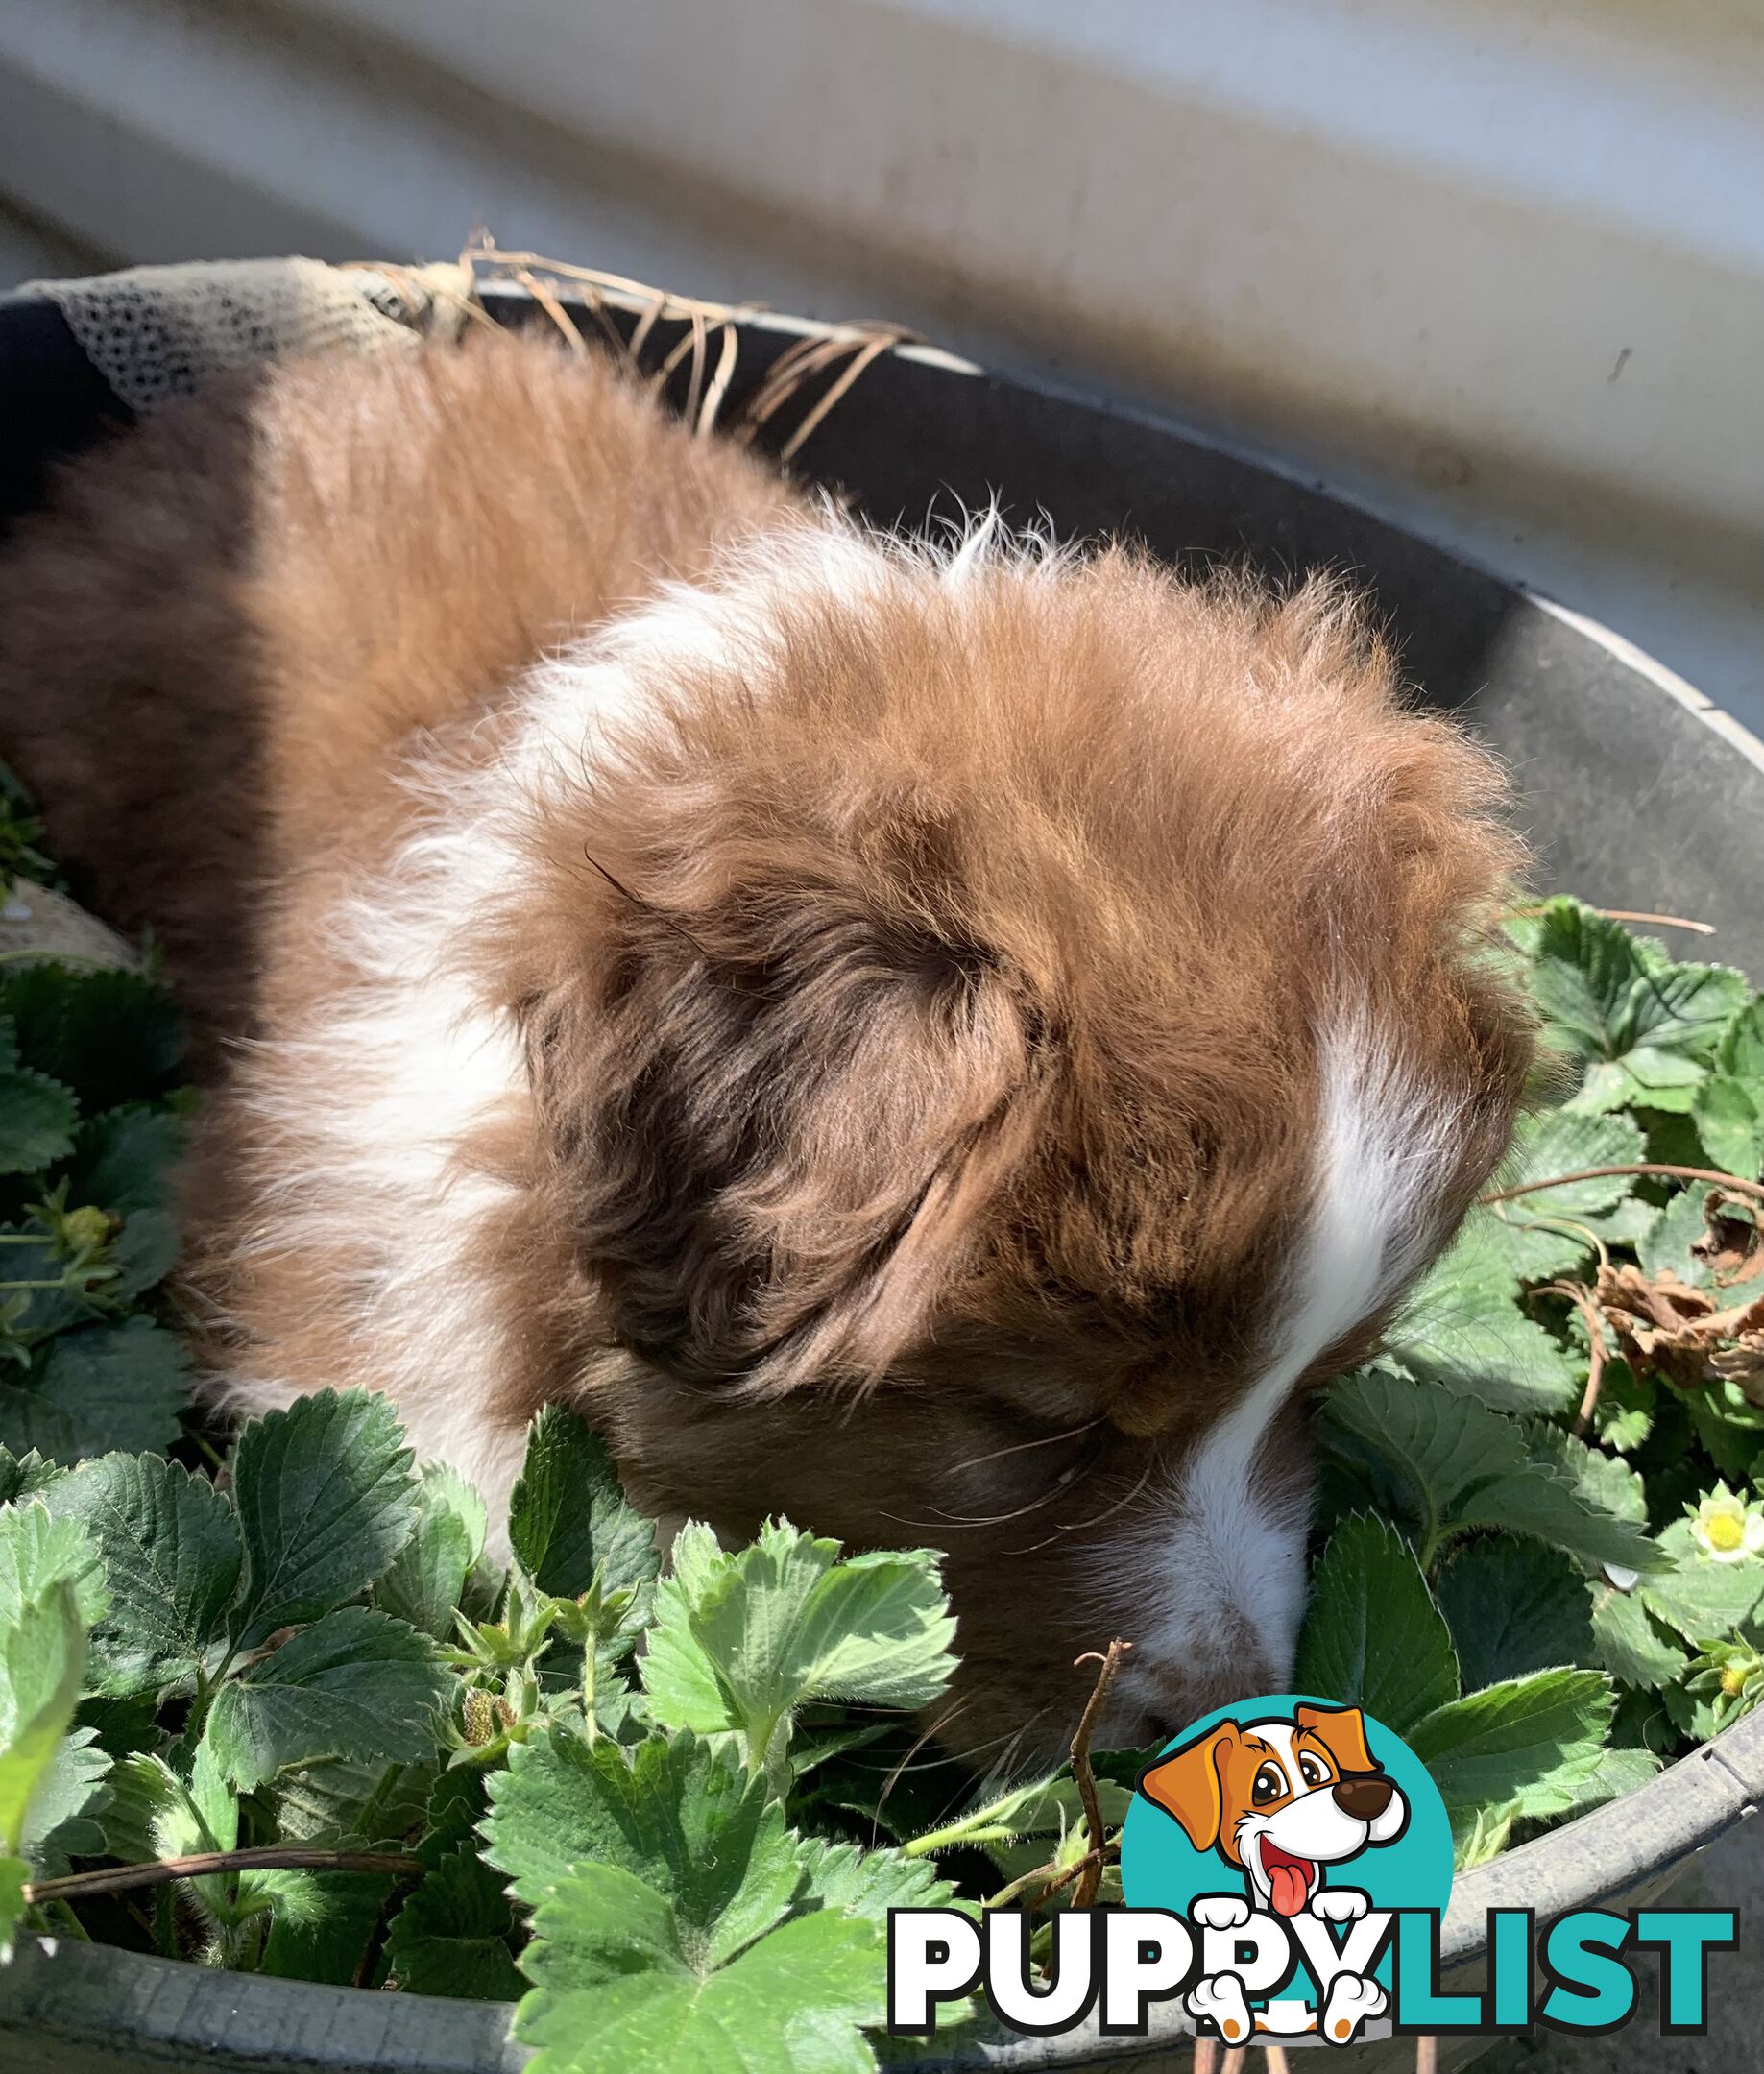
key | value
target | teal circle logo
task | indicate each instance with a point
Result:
(1274, 1824)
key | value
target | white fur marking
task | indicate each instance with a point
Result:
(1233, 1559)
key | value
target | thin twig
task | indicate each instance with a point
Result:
(263, 1858)
(1640, 1167)
(1581, 1298)
(1275, 2056)
(1057, 1885)
(1666, 921)
(1426, 2055)
(1110, 1661)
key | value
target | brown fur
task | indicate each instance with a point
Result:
(922, 1045)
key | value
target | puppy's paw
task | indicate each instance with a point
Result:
(1339, 1904)
(1219, 1911)
(1351, 2002)
(1221, 1999)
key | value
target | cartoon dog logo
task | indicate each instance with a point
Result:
(1281, 1802)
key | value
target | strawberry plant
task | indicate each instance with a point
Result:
(270, 1704)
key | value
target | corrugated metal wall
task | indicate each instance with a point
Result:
(1498, 268)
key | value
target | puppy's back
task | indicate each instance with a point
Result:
(225, 629)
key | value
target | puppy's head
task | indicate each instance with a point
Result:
(1282, 1800)
(1000, 1027)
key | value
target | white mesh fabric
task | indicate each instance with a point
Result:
(154, 332)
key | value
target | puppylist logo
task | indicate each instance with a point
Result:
(1286, 1865)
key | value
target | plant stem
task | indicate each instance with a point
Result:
(1110, 1662)
(1640, 1167)
(261, 1858)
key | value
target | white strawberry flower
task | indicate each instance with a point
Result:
(1726, 1527)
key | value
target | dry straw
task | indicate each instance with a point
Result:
(817, 370)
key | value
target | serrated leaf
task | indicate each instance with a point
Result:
(1644, 1079)
(1539, 1235)
(357, 1684)
(1372, 1636)
(1042, 1808)
(101, 1387)
(322, 1925)
(171, 1557)
(1632, 1646)
(37, 1116)
(1513, 1608)
(111, 1036)
(325, 1498)
(784, 1621)
(1439, 1446)
(870, 1882)
(26, 1475)
(345, 1802)
(1644, 1026)
(568, 1517)
(64, 1810)
(1701, 1599)
(1731, 1122)
(1622, 1415)
(1523, 1747)
(429, 1573)
(451, 1936)
(1666, 1250)
(677, 1813)
(38, 1550)
(126, 1160)
(618, 1990)
(42, 1658)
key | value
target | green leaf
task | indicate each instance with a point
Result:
(356, 1685)
(872, 1882)
(345, 1802)
(1631, 1645)
(26, 1475)
(1730, 1120)
(1624, 1414)
(785, 1621)
(38, 1550)
(451, 1936)
(172, 1559)
(126, 1160)
(1540, 1236)
(1644, 1079)
(36, 1120)
(1456, 1463)
(325, 1499)
(677, 1813)
(1667, 1248)
(1523, 1747)
(1372, 1636)
(101, 1387)
(14, 1878)
(1644, 1026)
(42, 1653)
(112, 1036)
(1701, 1599)
(1513, 1608)
(567, 1518)
(69, 1798)
(1043, 1808)
(429, 1573)
(620, 1990)
(322, 1924)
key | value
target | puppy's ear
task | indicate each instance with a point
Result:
(1190, 1785)
(776, 1112)
(1342, 1729)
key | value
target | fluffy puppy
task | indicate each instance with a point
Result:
(946, 1048)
